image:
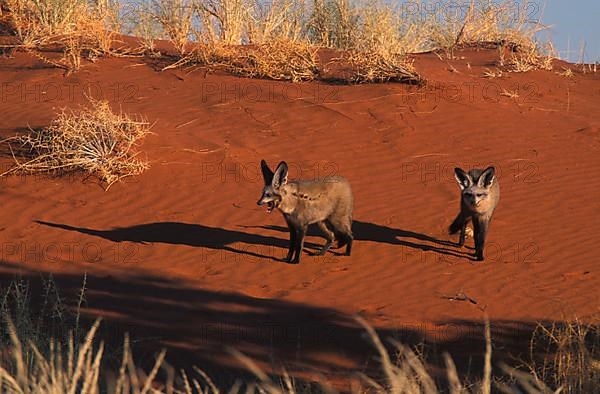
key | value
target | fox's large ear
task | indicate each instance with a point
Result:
(281, 174)
(464, 180)
(487, 177)
(266, 172)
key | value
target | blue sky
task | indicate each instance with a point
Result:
(573, 23)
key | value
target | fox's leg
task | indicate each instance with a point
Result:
(300, 234)
(349, 241)
(292, 246)
(343, 228)
(480, 227)
(329, 236)
(463, 233)
(339, 237)
(459, 225)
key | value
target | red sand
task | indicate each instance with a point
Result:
(183, 255)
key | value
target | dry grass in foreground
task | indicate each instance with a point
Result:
(93, 140)
(570, 356)
(565, 357)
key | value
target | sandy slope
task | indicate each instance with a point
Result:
(191, 221)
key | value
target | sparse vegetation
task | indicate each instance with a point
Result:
(78, 28)
(567, 355)
(374, 67)
(492, 74)
(94, 140)
(564, 356)
(279, 60)
(513, 94)
(566, 72)
(279, 39)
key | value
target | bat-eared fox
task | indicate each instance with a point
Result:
(328, 202)
(480, 193)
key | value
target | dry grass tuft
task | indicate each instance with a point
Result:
(368, 67)
(566, 72)
(77, 27)
(529, 58)
(492, 74)
(513, 94)
(567, 356)
(95, 141)
(175, 18)
(78, 369)
(278, 60)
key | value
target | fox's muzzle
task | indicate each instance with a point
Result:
(270, 204)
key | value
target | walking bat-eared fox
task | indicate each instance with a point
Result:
(328, 202)
(480, 194)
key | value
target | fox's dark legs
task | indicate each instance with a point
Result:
(480, 227)
(301, 233)
(463, 231)
(329, 236)
(343, 230)
(292, 246)
(459, 225)
(349, 241)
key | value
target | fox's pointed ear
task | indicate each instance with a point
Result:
(281, 174)
(464, 180)
(487, 177)
(266, 172)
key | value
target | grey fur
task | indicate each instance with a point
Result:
(328, 202)
(480, 193)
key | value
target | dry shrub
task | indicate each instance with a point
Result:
(146, 28)
(365, 25)
(95, 141)
(333, 24)
(567, 356)
(505, 25)
(224, 20)
(278, 60)
(175, 18)
(483, 22)
(276, 20)
(368, 67)
(525, 59)
(77, 27)
(383, 29)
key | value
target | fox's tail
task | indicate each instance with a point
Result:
(456, 224)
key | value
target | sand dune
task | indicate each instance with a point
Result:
(192, 220)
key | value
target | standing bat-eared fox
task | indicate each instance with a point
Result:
(480, 193)
(328, 202)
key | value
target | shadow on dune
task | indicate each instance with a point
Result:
(198, 325)
(218, 238)
(181, 234)
(364, 231)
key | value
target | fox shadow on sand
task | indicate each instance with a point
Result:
(198, 235)
(365, 231)
(177, 233)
